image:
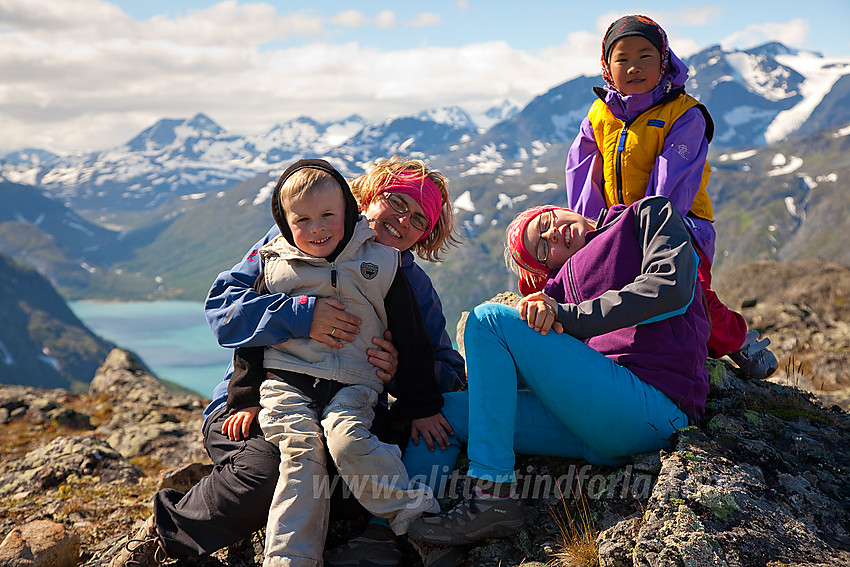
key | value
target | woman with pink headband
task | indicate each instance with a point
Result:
(408, 206)
(603, 358)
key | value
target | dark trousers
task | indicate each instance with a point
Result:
(233, 501)
(226, 506)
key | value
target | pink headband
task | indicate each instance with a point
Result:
(422, 190)
(532, 272)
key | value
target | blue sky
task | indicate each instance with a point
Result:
(89, 74)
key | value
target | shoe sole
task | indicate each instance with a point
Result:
(501, 529)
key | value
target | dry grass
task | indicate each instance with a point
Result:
(578, 547)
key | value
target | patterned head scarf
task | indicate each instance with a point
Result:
(635, 25)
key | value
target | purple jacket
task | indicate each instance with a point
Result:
(669, 177)
(631, 293)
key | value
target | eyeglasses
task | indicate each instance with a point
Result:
(544, 223)
(417, 220)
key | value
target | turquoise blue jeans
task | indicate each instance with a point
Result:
(541, 395)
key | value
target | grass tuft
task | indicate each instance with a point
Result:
(578, 547)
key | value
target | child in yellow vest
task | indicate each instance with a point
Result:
(644, 136)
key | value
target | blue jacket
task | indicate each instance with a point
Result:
(263, 320)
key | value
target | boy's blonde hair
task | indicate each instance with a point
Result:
(302, 182)
(370, 185)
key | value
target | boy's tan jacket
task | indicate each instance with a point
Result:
(359, 277)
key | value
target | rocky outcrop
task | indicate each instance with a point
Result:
(91, 462)
(763, 479)
(60, 462)
(147, 419)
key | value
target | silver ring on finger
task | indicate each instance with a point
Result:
(333, 330)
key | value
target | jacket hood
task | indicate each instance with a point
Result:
(352, 213)
(628, 106)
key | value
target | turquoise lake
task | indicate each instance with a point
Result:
(171, 337)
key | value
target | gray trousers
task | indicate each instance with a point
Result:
(298, 518)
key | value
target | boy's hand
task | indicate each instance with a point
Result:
(541, 312)
(238, 425)
(331, 323)
(435, 428)
(384, 358)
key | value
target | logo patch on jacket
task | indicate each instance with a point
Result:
(369, 270)
(656, 122)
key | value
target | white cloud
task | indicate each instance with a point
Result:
(698, 16)
(351, 19)
(385, 19)
(99, 80)
(425, 19)
(792, 32)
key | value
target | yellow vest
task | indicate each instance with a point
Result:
(627, 168)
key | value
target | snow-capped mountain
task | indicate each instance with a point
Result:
(183, 157)
(495, 114)
(767, 94)
(426, 134)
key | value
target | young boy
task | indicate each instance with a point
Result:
(644, 137)
(313, 391)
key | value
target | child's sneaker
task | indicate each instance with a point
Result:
(144, 549)
(439, 555)
(377, 546)
(754, 359)
(471, 520)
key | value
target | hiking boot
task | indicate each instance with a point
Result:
(377, 546)
(756, 361)
(471, 520)
(144, 549)
(439, 555)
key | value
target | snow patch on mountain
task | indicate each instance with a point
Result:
(842, 132)
(464, 202)
(448, 115)
(24, 177)
(498, 113)
(488, 160)
(265, 193)
(784, 166)
(506, 201)
(820, 76)
(768, 83)
(542, 187)
(738, 156)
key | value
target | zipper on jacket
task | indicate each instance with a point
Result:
(621, 141)
(335, 352)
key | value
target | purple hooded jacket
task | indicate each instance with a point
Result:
(671, 177)
(631, 294)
